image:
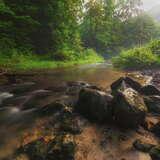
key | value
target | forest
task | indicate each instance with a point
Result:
(48, 34)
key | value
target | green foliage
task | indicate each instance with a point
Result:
(109, 26)
(139, 30)
(44, 26)
(61, 29)
(135, 58)
(155, 47)
(25, 60)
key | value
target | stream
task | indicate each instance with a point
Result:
(15, 120)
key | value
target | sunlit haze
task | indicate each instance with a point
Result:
(148, 4)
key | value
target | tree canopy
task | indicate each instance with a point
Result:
(51, 27)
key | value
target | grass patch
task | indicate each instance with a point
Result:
(27, 61)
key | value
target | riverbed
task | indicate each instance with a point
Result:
(20, 125)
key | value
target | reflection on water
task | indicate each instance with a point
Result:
(98, 74)
(13, 120)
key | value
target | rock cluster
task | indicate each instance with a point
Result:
(127, 106)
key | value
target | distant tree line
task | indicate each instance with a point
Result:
(58, 26)
(110, 26)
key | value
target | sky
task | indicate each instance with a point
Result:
(148, 4)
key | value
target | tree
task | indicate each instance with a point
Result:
(140, 30)
(126, 9)
(45, 26)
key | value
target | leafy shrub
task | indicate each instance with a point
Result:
(135, 58)
(64, 54)
(68, 54)
(154, 46)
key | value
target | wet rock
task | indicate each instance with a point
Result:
(155, 153)
(133, 84)
(74, 87)
(60, 148)
(36, 150)
(152, 103)
(63, 147)
(95, 87)
(156, 129)
(150, 122)
(94, 104)
(14, 101)
(51, 109)
(4, 95)
(149, 90)
(129, 109)
(69, 123)
(68, 100)
(118, 85)
(77, 83)
(6, 113)
(35, 97)
(123, 83)
(19, 157)
(142, 146)
(60, 89)
(22, 88)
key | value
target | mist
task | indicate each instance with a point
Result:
(148, 4)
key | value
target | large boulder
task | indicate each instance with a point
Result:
(129, 108)
(152, 103)
(150, 90)
(94, 104)
(124, 82)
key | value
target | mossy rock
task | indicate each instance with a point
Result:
(129, 109)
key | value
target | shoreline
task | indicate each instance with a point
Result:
(17, 68)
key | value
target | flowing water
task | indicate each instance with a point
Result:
(92, 142)
(101, 74)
